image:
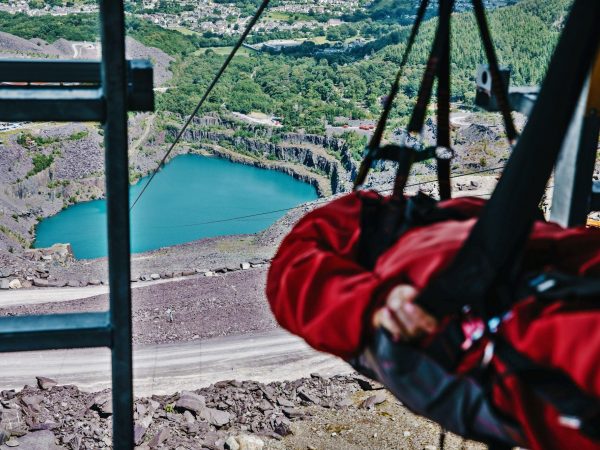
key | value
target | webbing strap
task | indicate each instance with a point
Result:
(551, 286)
(499, 87)
(417, 118)
(444, 156)
(497, 240)
(375, 141)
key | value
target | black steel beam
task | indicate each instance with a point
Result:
(35, 70)
(59, 104)
(48, 332)
(67, 103)
(114, 84)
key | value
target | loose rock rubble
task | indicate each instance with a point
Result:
(235, 415)
(62, 253)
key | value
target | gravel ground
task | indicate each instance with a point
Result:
(194, 308)
(341, 412)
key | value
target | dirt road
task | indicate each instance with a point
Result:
(167, 368)
(57, 295)
(220, 328)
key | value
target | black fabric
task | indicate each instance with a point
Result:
(496, 242)
(384, 220)
(457, 403)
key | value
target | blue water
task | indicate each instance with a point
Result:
(190, 191)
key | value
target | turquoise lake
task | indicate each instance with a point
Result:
(188, 192)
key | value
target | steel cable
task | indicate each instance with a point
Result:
(214, 82)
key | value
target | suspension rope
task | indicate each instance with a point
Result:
(214, 82)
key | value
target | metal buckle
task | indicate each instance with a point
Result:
(570, 422)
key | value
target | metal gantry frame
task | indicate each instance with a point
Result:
(101, 91)
(575, 193)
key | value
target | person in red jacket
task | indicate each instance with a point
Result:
(318, 289)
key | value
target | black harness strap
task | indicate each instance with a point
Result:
(375, 141)
(498, 85)
(496, 242)
(417, 118)
(551, 286)
(444, 154)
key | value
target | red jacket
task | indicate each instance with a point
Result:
(317, 290)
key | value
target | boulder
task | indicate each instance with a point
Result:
(34, 402)
(62, 252)
(33, 254)
(103, 404)
(4, 436)
(73, 283)
(155, 276)
(13, 422)
(215, 417)
(247, 442)
(191, 402)
(159, 438)
(245, 266)
(4, 284)
(15, 284)
(189, 417)
(46, 383)
(209, 274)
(12, 442)
(373, 400)
(139, 431)
(308, 397)
(285, 402)
(232, 444)
(43, 439)
(293, 413)
(95, 282)
(187, 273)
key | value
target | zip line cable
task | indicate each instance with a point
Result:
(326, 199)
(318, 202)
(214, 82)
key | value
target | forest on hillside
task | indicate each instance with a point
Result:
(309, 92)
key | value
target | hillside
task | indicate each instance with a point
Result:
(311, 91)
(47, 168)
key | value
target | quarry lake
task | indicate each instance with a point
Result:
(192, 197)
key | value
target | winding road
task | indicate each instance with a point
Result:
(167, 368)
(164, 368)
